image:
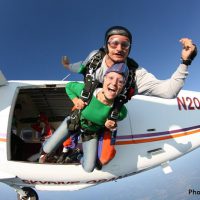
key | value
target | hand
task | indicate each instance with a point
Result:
(65, 62)
(79, 103)
(189, 49)
(110, 124)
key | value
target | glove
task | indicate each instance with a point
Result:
(191, 57)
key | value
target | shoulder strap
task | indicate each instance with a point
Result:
(90, 83)
(130, 83)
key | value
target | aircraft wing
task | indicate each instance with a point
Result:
(3, 80)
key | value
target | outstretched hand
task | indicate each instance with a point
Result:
(189, 49)
(65, 62)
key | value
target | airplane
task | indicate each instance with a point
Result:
(155, 132)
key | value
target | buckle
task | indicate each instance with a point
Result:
(89, 77)
(122, 98)
(73, 116)
(123, 95)
(114, 115)
(95, 61)
(85, 94)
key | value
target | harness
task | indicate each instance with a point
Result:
(91, 84)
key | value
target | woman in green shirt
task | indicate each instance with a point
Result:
(93, 117)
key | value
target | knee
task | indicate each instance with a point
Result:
(88, 167)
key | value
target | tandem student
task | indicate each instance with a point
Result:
(91, 120)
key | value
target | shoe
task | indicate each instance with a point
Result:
(43, 158)
(79, 157)
(98, 165)
(68, 160)
(74, 157)
(62, 157)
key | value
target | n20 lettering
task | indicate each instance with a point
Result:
(188, 103)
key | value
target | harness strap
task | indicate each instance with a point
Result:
(88, 135)
(90, 86)
(73, 123)
(90, 83)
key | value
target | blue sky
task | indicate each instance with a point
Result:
(36, 33)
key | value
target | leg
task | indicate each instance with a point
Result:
(69, 152)
(57, 138)
(89, 154)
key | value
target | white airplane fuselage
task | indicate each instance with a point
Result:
(155, 132)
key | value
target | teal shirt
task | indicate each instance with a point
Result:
(96, 111)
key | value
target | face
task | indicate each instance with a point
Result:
(113, 85)
(118, 49)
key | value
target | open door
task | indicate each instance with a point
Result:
(34, 109)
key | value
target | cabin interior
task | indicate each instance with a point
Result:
(28, 127)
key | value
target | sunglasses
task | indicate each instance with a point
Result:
(115, 42)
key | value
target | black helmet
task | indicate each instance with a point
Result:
(117, 30)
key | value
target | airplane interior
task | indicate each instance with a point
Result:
(25, 136)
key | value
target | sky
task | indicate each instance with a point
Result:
(35, 34)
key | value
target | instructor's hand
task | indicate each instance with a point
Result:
(189, 49)
(65, 62)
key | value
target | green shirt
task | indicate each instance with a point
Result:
(96, 111)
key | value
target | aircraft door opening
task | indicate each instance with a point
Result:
(36, 109)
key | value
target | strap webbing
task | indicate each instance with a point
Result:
(90, 82)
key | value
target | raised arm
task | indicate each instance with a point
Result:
(77, 67)
(148, 84)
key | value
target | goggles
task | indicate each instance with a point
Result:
(115, 42)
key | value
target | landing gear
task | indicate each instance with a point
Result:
(29, 194)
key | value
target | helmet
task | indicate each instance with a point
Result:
(120, 68)
(117, 30)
